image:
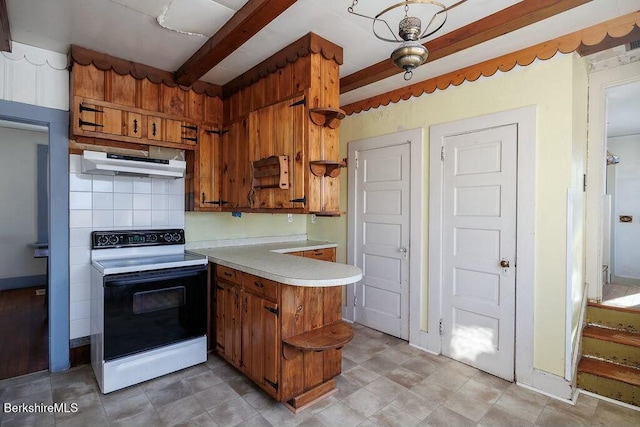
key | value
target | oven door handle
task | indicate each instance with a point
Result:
(138, 278)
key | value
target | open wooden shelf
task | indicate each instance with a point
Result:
(272, 168)
(330, 168)
(326, 116)
(328, 337)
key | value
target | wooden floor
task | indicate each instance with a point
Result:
(23, 332)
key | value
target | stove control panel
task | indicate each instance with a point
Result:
(132, 238)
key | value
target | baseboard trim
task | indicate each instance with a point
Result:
(551, 385)
(22, 282)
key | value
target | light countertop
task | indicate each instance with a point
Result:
(271, 261)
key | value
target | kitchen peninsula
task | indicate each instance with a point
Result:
(277, 317)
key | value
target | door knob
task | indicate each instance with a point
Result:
(403, 250)
(504, 263)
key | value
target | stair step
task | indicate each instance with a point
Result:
(626, 319)
(613, 335)
(620, 347)
(608, 379)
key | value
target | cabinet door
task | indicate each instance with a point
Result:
(326, 254)
(100, 119)
(180, 132)
(228, 322)
(235, 166)
(259, 341)
(207, 170)
(133, 124)
(279, 130)
(154, 128)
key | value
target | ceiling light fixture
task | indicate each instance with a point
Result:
(410, 54)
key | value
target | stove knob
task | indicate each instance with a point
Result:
(153, 237)
(167, 237)
(103, 240)
(176, 237)
(113, 240)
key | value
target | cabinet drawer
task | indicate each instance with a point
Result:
(326, 254)
(260, 286)
(229, 274)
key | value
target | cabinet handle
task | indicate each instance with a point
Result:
(135, 125)
(226, 273)
(259, 284)
(317, 253)
(153, 129)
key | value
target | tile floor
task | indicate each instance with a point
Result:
(385, 382)
(621, 295)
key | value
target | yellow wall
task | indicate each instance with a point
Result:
(201, 226)
(549, 85)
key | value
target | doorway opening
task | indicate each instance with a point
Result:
(621, 205)
(24, 235)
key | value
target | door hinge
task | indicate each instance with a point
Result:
(271, 383)
(273, 310)
(440, 328)
(584, 182)
(356, 159)
(442, 153)
(217, 132)
(303, 101)
(355, 301)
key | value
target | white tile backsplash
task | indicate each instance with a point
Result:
(103, 201)
(99, 202)
(102, 184)
(141, 218)
(122, 184)
(142, 201)
(123, 218)
(79, 182)
(80, 218)
(122, 201)
(142, 185)
(79, 200)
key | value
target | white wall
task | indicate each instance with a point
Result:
(626, 192)
(99, 202)
(18, 210)
(34, 76)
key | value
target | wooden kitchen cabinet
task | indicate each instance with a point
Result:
(228, 316)
(324, 254)
(291, 337)
(206, 171)
(235, 165)
(278, 130)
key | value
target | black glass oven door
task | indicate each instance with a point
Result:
(147, 310)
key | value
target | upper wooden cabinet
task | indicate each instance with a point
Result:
(282, 99)
(115, 102)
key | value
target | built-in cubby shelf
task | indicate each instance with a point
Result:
(332, 336)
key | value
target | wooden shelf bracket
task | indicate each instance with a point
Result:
(326, 117)
(330, 168)
(271, 167)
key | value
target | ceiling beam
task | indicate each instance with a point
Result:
(246, 23)
(503, 22)
(5, 31)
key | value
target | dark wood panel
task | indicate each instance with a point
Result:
(23, 332)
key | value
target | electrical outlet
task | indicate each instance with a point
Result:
(289, 217)
(313, 218)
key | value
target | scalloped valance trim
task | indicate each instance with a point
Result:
(138, 71)
(615, 28)
(310, 43)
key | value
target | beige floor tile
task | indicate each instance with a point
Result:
(147, 418)
(482, 391)
(361, 375)
(257, 421)
(340, 414)
(232, 412)
(127, 408)
(415, 405)
(202, 420)
(498, 418)
(522, 403)
(392, 416)
(203, 381)
(386, 389)
(180, 411)
(467, 406)
(216, 395)
(609, 414)
(172, 392)
(365, 403)
(405, 377)
(282, 417)
(445, 417)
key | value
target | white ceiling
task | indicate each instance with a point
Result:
(130, 29)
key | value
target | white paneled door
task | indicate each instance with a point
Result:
(479, 247)
(382, 221)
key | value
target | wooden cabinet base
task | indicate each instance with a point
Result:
(301, 402)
